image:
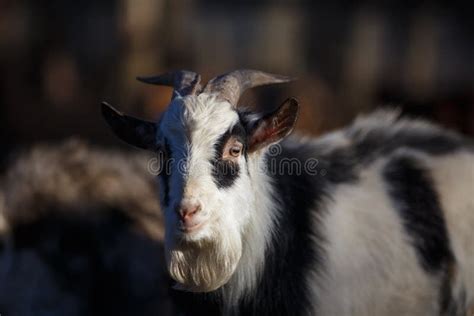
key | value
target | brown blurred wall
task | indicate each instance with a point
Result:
(59, 59)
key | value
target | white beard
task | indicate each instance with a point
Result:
(204, 265)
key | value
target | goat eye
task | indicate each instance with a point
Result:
(235, 150)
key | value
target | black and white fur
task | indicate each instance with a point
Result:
(382, 225)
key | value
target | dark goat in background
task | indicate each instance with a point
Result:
(81, 235)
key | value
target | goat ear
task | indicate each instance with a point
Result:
(274, 126)
(133, 131)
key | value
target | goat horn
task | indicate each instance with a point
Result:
(230, 86)
(184, 82)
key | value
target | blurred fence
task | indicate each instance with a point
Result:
(59, 59)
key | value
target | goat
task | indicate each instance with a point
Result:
(378, 219)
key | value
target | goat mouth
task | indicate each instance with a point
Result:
(188, 229)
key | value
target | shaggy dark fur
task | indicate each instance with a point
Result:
(82, 235)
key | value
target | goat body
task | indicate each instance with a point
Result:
(381, 224)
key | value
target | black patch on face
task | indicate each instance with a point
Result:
(225, 172)
(417, 202)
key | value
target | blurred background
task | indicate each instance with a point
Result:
(80, 227)
(60, 59)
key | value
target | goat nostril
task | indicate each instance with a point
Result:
(188, 212)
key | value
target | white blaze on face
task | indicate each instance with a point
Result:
(206, 259)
